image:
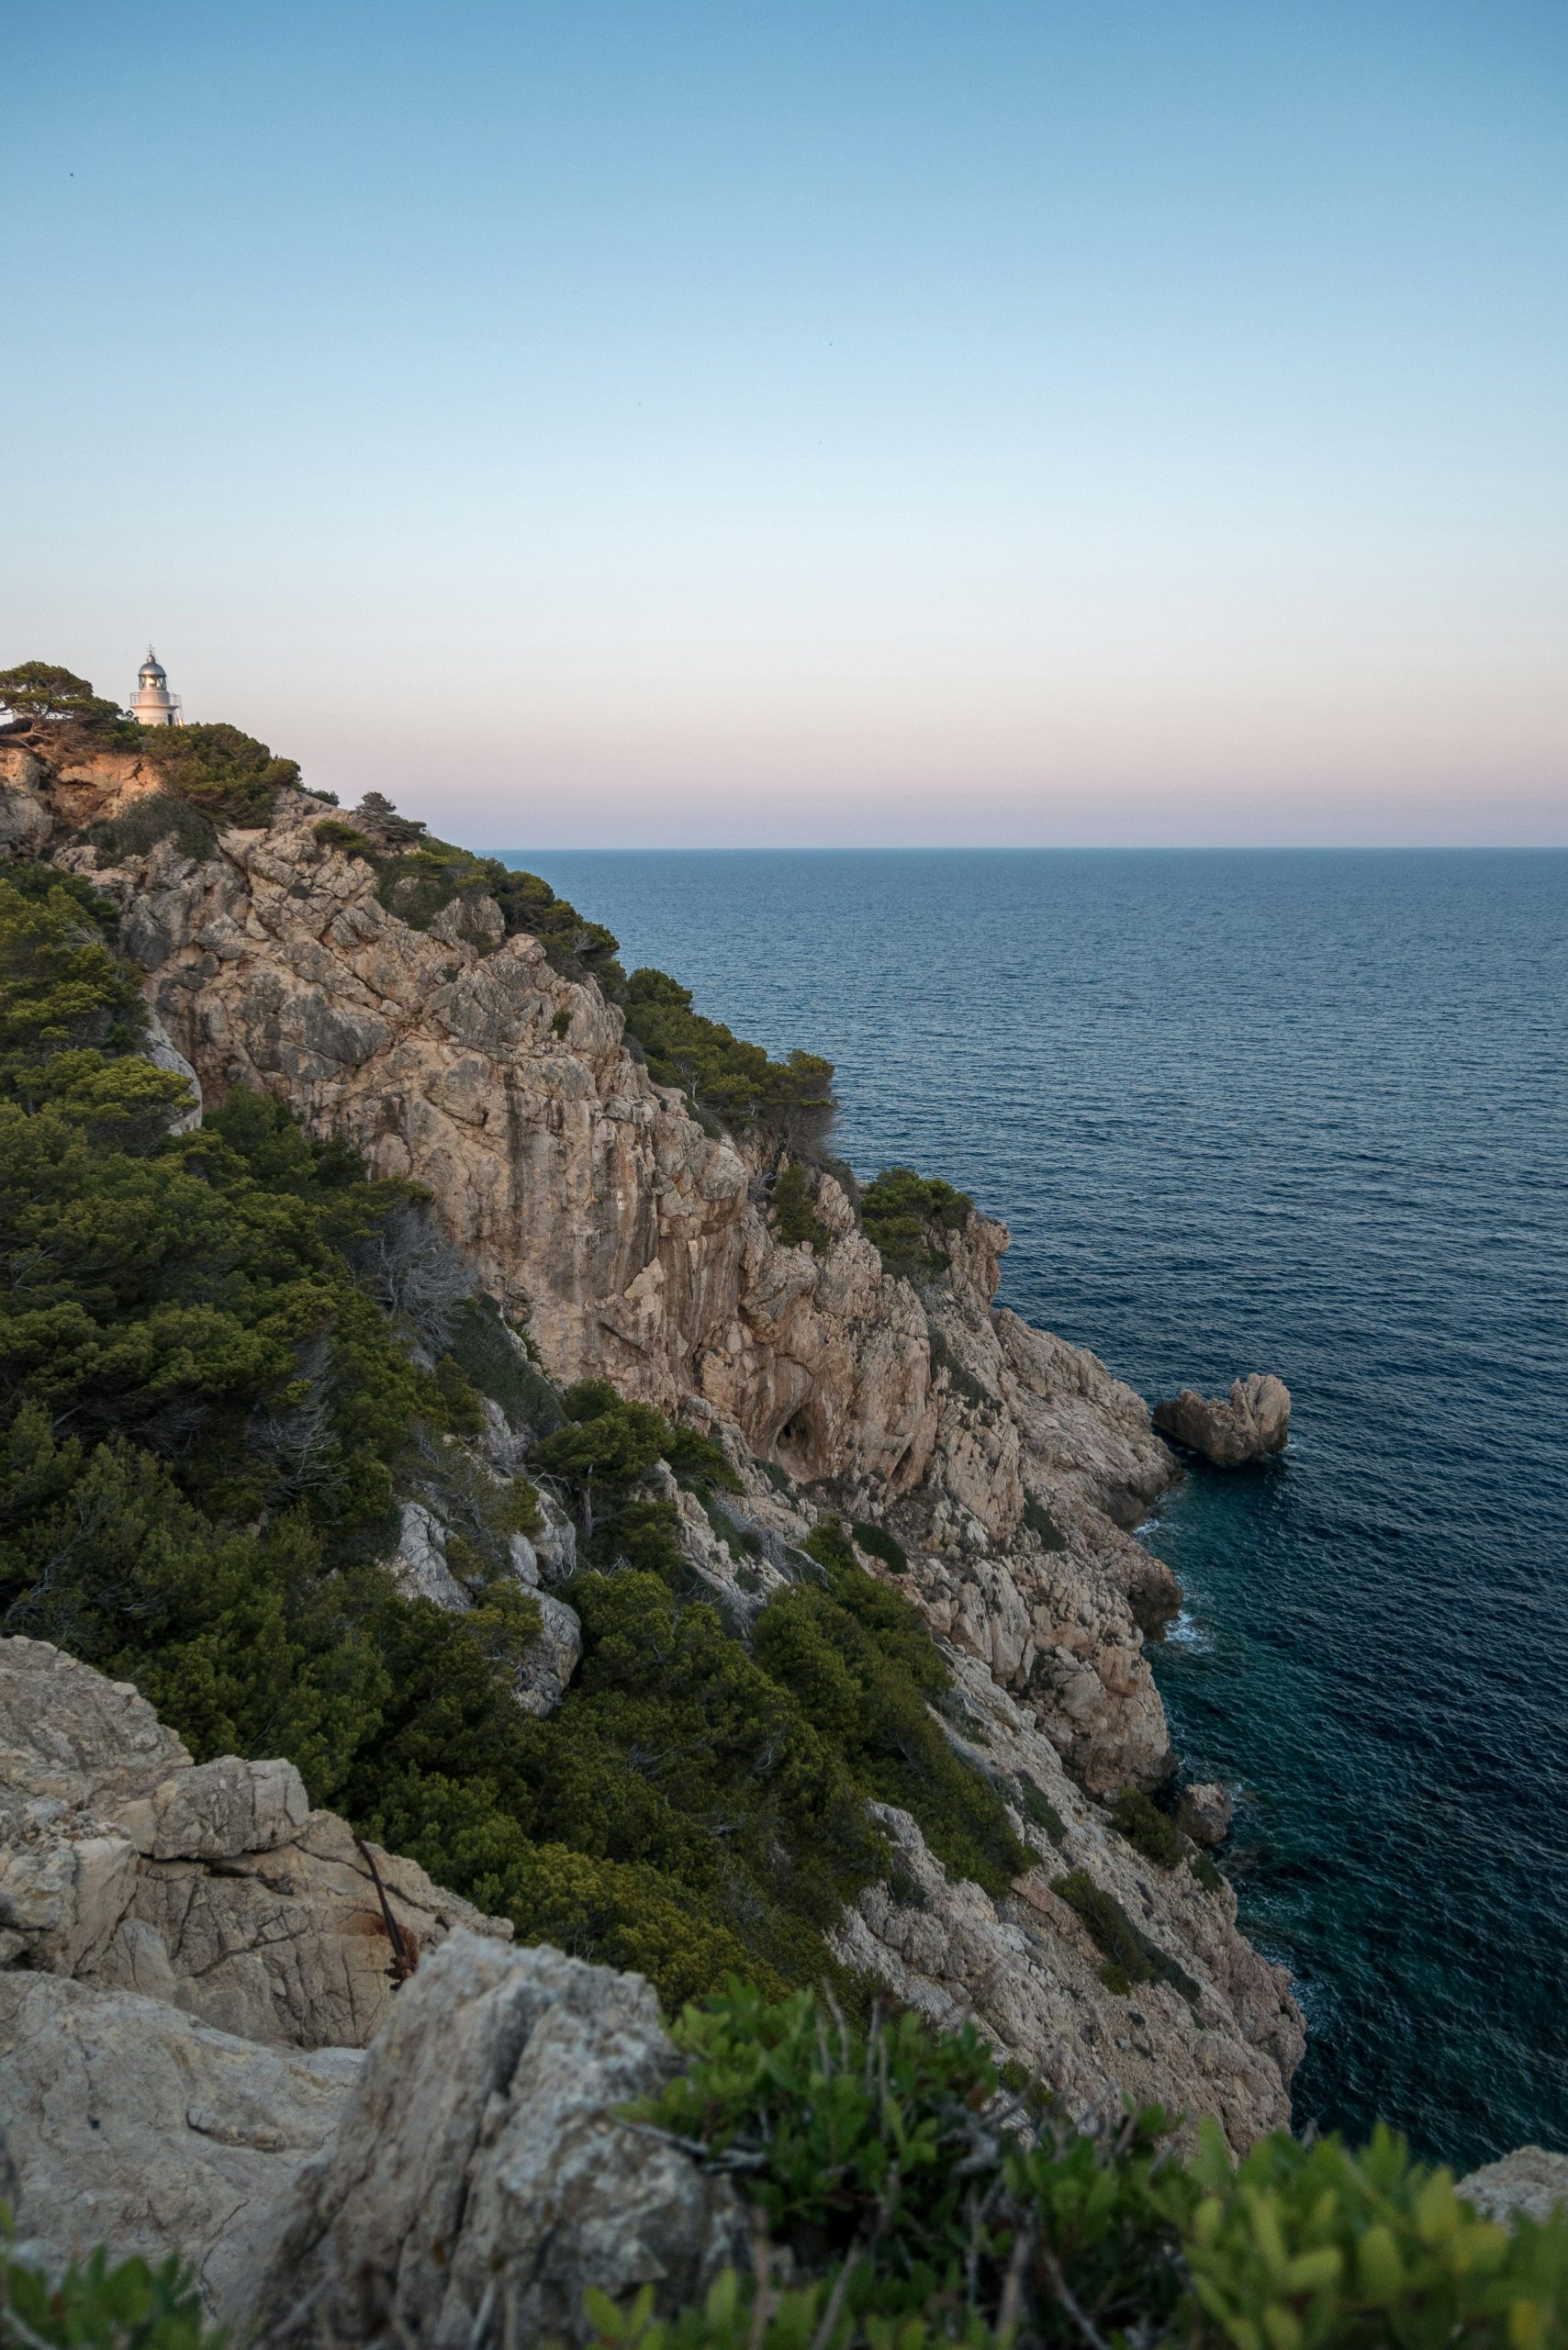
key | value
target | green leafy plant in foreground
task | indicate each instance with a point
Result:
(94, 2306)
(907, 2192)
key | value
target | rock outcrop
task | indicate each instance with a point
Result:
(482, 2176)
(124, 2122)
(1204, 1812)
(1252, 1422)
(1529, 2184)
(213, 1887)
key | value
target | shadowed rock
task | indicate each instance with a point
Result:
(1253, 1421)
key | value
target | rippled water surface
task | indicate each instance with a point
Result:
(1303, 1112)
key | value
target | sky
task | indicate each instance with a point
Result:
(639, 422)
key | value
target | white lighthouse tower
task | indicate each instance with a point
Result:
(152, 704)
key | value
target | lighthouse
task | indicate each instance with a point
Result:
(152, 704)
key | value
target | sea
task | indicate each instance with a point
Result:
(1296, 1112)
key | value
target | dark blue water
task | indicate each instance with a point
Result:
(1303, 1112)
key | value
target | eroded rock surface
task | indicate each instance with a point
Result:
(482, 2177)
(214, 1887)
(124, 2122)
(1254, 1420)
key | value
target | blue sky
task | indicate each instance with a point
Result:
(619, 424)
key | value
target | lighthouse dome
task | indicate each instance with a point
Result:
(152, 672)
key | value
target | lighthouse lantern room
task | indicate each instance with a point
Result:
(152, 704)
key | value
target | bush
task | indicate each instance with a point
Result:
(1147, 1829)
(1038, 1809)
(795, 1220)
(904, 2212)
(1130, 1957)
(862, 1664)
(899, 1214)
(332, 833)
(877, 1543)
(96, 2307)
(792, 1099)
(1038, 1520)
(226, 774)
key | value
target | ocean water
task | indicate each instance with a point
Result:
(1296, 1112)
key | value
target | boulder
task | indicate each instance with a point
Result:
(213, 1886)
(1530, 2181)
(482, 2176)
(125, 2123)
(1255, 1420)
(1204, 1812)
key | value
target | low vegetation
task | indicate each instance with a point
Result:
(903, 1214)
(903, 2209)
(1147, 1830)
(793, 1210)
(729, 1080)
(1130, 1957)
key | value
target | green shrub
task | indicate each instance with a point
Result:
(729, 1080)
(1038, 1520)
(228, 775)
(561, 1021)
(1207, 1873)
(879, 1544)
(485, 1351)
(95, 2307)
(795, 1220)
(862, 1663)
(899, 1214)
(332, 833)
(1130, 1957)
(1147, 1829)
(1038, 1809)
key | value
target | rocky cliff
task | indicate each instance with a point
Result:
(628, 1238)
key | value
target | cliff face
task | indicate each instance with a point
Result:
(632, 1242)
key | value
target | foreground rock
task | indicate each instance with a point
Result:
(214, 1887)
(125, 2123)
(1530, 2183)
(1255, 1420)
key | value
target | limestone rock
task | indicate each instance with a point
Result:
(481, 2175)
(1028, 1973)
(553, 1658)
(126, 2123)
(1255, 1420)
(1530, 2182)
(213, 1887)
(1204, 1812)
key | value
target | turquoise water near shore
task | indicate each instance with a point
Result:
(1298, 1112)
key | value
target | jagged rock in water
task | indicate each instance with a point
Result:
(1530, 2182)
(214, 1887)
(1253, 1421)
(482, 2177)
(124, 2122)
(1204, 1812)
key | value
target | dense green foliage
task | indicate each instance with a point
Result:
(727, 1079)
(860, 1661)
(42, 689)
(901, 1212)
(877, 1543)
(1147, 1830)
(890, 2178)
(95, 2307)
(226, 774)
(1130, 1957)
(795, 1219)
